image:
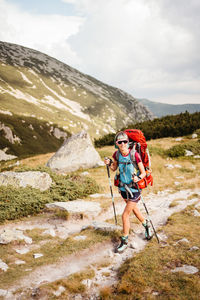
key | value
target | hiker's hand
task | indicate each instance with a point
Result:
(136, 178)
(107, 161)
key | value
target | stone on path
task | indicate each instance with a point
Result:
(37, 255)
(6, 294)
(196, 213)
(20, 262)
(3, 266)
(9, 235)
(59, 291)
(77, 206)
(182, 241)
(80, 237)
(50, 232)
(105, 226)
(23, 250)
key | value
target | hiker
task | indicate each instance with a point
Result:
(127, 188)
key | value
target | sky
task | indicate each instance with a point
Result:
(148, 48)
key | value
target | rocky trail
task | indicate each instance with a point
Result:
(159, 210)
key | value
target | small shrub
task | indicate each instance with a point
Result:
(179, 150)
(21, 202)
(176, 151)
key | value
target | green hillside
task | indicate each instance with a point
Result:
(37, 85)
(29, 136)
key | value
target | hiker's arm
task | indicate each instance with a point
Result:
(112, 163)
(142, 173)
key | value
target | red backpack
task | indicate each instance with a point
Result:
(137, 139)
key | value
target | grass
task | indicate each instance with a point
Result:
(149, 271)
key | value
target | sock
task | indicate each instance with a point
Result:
(144, 223)
(125, 237)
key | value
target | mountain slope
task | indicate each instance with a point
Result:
(34, 84)
(163, 109)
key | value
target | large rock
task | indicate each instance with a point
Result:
(35, 179)
(78, 206)
(75, 153)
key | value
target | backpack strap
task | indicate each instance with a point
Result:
(117, 157)
(147, 151)
(132, 154)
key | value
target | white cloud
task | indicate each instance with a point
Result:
(46, 33)
(141, 46)
(149, 48)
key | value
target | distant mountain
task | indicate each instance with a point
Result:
(37, 85)
(163, 109)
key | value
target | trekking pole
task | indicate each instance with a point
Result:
(108, 170)
(148, 214)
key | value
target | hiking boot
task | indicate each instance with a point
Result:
(123, 245)
(148, 234)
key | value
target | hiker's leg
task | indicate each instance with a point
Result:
(125, 217)
(137, 213)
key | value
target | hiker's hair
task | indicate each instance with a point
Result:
(121, 135)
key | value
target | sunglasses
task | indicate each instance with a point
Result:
(120, 142)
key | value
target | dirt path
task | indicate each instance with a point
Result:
(159, 209)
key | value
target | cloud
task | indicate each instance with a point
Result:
(149, 48)
(46, 33)
(144, 47)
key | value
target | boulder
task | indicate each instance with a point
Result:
(75, 153)
(78, 206)
(35, 179)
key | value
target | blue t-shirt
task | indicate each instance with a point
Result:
(127, 169)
